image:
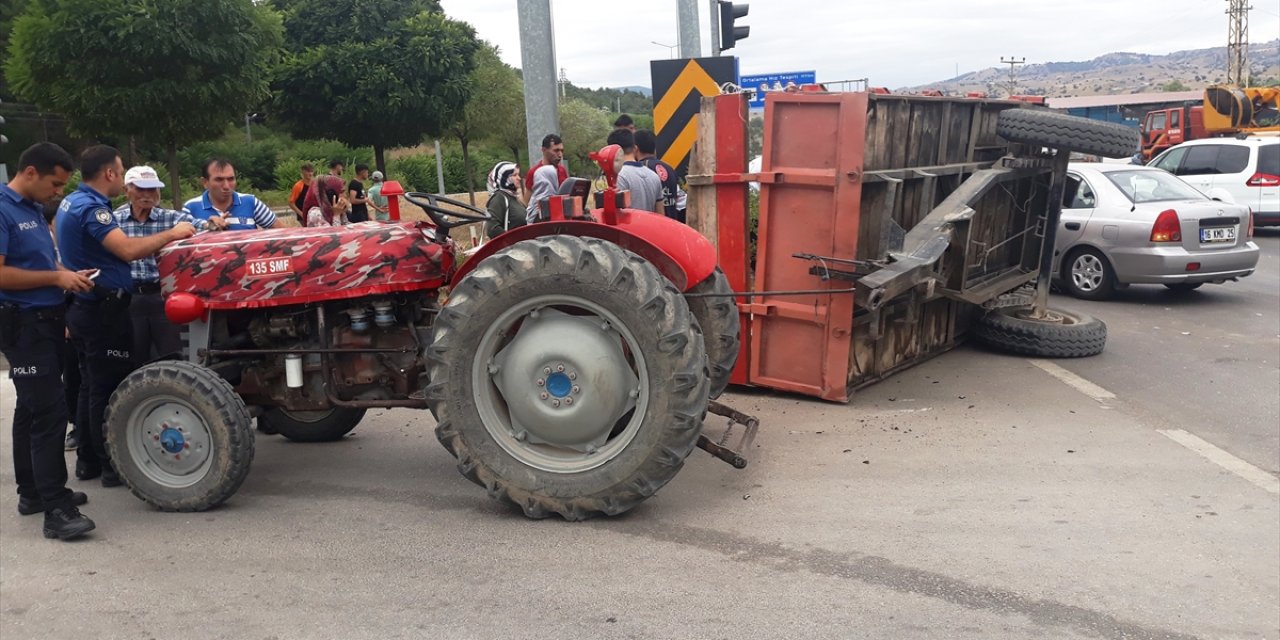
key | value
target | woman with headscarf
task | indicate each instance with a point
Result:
(325, 204)
(506, 212)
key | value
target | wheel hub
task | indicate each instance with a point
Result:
(582, 383)
(170, 442)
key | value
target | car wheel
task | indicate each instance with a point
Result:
(1058, 334)
(1183, 287)
(1062, 131)
(568, 377)
(1088, 275)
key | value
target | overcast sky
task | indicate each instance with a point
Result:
(895, 44)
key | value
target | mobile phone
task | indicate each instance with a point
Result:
(95, 274)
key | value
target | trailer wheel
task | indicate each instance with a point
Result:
(568, 377)
(179, 436)
(1061, 131)
(1062, 334)
(312, 426)
(718, 318)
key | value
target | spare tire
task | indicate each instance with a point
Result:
(1062, 334)
(1071, 133)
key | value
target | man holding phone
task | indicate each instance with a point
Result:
(32, 308)
(101, 328)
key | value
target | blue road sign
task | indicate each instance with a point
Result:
(760, 84)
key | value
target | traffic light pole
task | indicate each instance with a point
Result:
(715, 26)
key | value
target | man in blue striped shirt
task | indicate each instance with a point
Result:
(222, 207)
(153, 335)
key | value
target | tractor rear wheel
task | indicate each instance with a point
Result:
(717, 316)
(567, 377)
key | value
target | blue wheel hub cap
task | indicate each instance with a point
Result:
(172, 441)
(559, 385)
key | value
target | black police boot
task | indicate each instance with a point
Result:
(110, 478)
(31, 506)
(87, 470)
(65, 523)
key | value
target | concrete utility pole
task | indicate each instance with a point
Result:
(715, 26)
(1238, 42)
(1013, 76)
(690, 41)
(538, 63)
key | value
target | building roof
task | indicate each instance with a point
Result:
(1080, 102)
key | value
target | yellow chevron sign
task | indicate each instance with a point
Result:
(678, 87)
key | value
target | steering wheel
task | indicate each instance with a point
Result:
(446, 219)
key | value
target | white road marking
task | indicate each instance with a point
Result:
(1225, 460)
(1074, 381)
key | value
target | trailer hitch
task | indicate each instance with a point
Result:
(719, 449)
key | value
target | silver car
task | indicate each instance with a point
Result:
(1127, 224)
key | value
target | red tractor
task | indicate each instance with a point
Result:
(569, 363)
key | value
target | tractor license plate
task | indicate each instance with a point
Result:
(1218, 234)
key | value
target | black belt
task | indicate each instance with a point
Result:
(44, 314)
(146, 288)
(103, 294)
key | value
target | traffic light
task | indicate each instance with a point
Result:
(729, 34)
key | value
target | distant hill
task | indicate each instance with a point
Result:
(1119, 72)
(645, 91)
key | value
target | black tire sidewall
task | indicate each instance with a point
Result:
(721, 329)
(331, 428)
(1004, 331)
(1067, 132)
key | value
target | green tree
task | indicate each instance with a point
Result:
(495, 96)
(372, 72)
(1175, 85)
(584, 129)
(172, 72)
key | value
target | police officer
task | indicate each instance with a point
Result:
(32, 290)
(101, 329)
(222, 207)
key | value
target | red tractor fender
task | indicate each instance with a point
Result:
(681, 254)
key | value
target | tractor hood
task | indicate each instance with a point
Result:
(271, 267)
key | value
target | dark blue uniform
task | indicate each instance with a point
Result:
(31, 332)
(101, 328)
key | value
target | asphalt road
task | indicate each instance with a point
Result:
(975, 496)
(1207, 361)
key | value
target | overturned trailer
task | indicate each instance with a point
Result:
(889, 229)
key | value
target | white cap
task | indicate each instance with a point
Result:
(377, 175)
(143, 177)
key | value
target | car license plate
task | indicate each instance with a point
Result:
(1218, 234)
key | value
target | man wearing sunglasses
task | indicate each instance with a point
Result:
(153, 335)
